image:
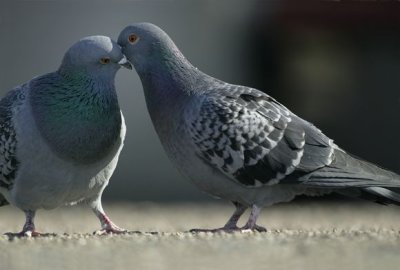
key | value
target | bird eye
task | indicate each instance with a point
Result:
(133, 38)
(104, 60)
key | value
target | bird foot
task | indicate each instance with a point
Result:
(107, 226)
(255, 228)
(224, 229)
(110, 230)
(28, 234)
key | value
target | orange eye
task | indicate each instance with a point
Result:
(133, 38)
(104, 60)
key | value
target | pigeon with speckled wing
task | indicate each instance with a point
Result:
(238, 143)
(61, 134)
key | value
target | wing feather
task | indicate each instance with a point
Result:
(256, 141)
(8, 141)
(252, 138)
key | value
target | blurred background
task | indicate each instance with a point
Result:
(334, 63)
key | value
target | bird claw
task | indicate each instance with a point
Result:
(28, 234)
(255, 228)
(110, 230)
(218, 230)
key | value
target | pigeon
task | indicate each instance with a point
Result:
(238, 143)
(61, 134)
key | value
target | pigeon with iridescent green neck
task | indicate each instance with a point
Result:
(238, 143)
(61, 134)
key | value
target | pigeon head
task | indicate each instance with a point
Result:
(146, 45)
(94, 56)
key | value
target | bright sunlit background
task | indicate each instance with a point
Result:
(335, 64)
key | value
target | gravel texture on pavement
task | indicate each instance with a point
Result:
(303, 235)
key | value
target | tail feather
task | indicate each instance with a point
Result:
(385, 193)
(347, 171)
(376, 194)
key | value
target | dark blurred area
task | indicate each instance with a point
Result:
(334, 63)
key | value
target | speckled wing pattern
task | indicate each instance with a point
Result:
(254, 139)
(8, 141)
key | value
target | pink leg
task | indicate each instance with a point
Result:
(107, 226)
(231, 225)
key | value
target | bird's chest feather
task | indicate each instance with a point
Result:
(46, 179)
(78, 126)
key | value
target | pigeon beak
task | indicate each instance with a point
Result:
(125, 63)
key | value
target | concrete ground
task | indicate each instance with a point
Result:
(303, 235)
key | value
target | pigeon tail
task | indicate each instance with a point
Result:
(348, 171)
(385, 196)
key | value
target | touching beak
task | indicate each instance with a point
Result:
(125, 63)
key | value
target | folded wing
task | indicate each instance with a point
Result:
(256, 141)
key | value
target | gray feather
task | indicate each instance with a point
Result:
(267, 140)
(8, 142)
(348, 171)
(241, 132)
(384, 193)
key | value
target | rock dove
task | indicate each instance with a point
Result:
(238, 143)
(61, 134)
